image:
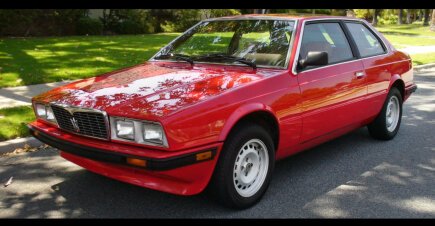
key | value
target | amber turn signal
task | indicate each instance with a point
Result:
(137, 162)
(203, 156)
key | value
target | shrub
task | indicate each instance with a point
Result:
(221, 12)
(39, 22)
(89, 26)
(388, 19)
(168, 26)
(128, 21)
(338, 12)
(181, 20)
(129, 27)
(134, 27)
(363, 13)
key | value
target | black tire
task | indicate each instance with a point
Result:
(378, 128)
(222, 186)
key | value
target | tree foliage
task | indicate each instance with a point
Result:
(47, 22)
(34, 22)
(89, 26)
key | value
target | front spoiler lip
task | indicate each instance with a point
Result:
(413, 88)
(410, 89)
(118, 158)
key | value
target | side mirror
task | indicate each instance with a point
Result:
(314, 59)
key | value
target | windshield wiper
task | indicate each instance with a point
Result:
(228, 57)
(176, 56)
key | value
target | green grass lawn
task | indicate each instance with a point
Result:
(13, 122)
(405, 35)
(408, 35)
(25, 61)
(405, 29)
(423, 58)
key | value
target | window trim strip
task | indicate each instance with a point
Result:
(353, 50)
(384, 47)
(319, 20)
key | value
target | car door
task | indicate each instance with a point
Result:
(331, 94)
(376, 62)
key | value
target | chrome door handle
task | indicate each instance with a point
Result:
(360, 74)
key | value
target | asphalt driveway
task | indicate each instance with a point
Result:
(352, 176)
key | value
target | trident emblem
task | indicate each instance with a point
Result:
(74, 124)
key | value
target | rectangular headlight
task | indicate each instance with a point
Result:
(153, 133)
(124, 129)
(41, 110)
(137, 131)
(49, 114)
(45, 113)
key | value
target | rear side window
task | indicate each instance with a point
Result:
(326, 37)
(367, 43)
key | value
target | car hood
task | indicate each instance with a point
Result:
(150, 90)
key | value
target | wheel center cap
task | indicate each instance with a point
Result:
(247, 168)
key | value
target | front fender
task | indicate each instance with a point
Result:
(239, 113)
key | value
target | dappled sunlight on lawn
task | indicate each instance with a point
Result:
(27, 61)
(12, 122)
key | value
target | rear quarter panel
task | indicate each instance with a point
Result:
(382, 71)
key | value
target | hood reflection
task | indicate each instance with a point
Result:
(149, 89)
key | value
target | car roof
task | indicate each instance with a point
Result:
(282, 16)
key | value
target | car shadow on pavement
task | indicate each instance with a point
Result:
(353, 176)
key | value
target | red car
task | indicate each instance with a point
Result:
(226, 99)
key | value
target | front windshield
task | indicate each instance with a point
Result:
(262, 42)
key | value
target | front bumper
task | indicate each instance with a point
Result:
(118, 158)
(181, 174)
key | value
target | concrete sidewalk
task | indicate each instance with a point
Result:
(418, 49)
(22, 95)
(11, 145)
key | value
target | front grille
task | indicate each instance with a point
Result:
(90, 123)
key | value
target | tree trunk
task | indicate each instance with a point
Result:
(432, 23)
(375, 17)
(314, 11)
(408, 16)
(426, 17)
(400, 19)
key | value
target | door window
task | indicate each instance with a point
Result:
(367, 43)
(326, 37)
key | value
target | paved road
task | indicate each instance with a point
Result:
(352, 176)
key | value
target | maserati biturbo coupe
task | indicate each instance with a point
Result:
(218, 105)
